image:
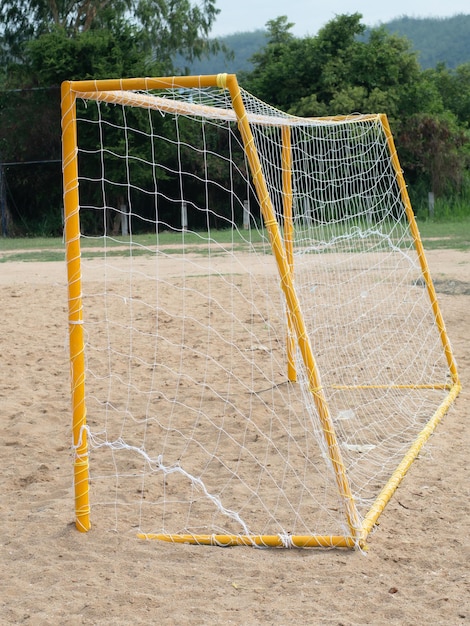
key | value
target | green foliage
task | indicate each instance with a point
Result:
(55, 57)
(435, 40)
(337, 72)
(276, 78)
(453, 88)
(438, 40)
(387, 68)
(35, 191)
(436, 151)
(42, 43)
(288, 70)
(161, 28)
(345, 68)
(233, 57)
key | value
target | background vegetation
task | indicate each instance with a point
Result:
(435, 40)
(346, 67)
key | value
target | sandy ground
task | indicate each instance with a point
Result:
(415, 571)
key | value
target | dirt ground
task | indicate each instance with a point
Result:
(415, 571)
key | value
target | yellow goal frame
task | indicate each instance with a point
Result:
(112, 90)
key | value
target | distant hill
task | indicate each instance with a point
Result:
(243, 45)
(437, 40)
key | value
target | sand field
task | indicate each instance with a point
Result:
(415, 571)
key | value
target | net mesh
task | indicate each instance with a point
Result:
(193, 424)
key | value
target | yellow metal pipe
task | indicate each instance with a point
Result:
(77, 358)
(410, 386)
(287, 199)
(420, 250)
(294, 307)
(265, 541)
(145, 84)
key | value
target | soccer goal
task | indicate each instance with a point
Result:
(257, 352)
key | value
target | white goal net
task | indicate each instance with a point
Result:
(262, 349)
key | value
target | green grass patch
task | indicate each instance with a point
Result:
(53, 249)
(452, 234)
(8, 244)
(34, 256)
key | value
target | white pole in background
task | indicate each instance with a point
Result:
(184, 215)
(246, 214)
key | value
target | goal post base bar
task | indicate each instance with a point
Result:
(259, 541)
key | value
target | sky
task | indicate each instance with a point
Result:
(310, 15)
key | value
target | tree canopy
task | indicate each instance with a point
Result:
(340, 71)
(43, 42)
(161, 28)
(336, 71)
(343, 69)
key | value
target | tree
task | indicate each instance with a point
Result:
(343, 70)
(436, 151)
(377, 74)
(55, 56)
(338, 71)
(288, 70)
(274, 78)
(162, 27)
(43, 42)
(453, 86)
